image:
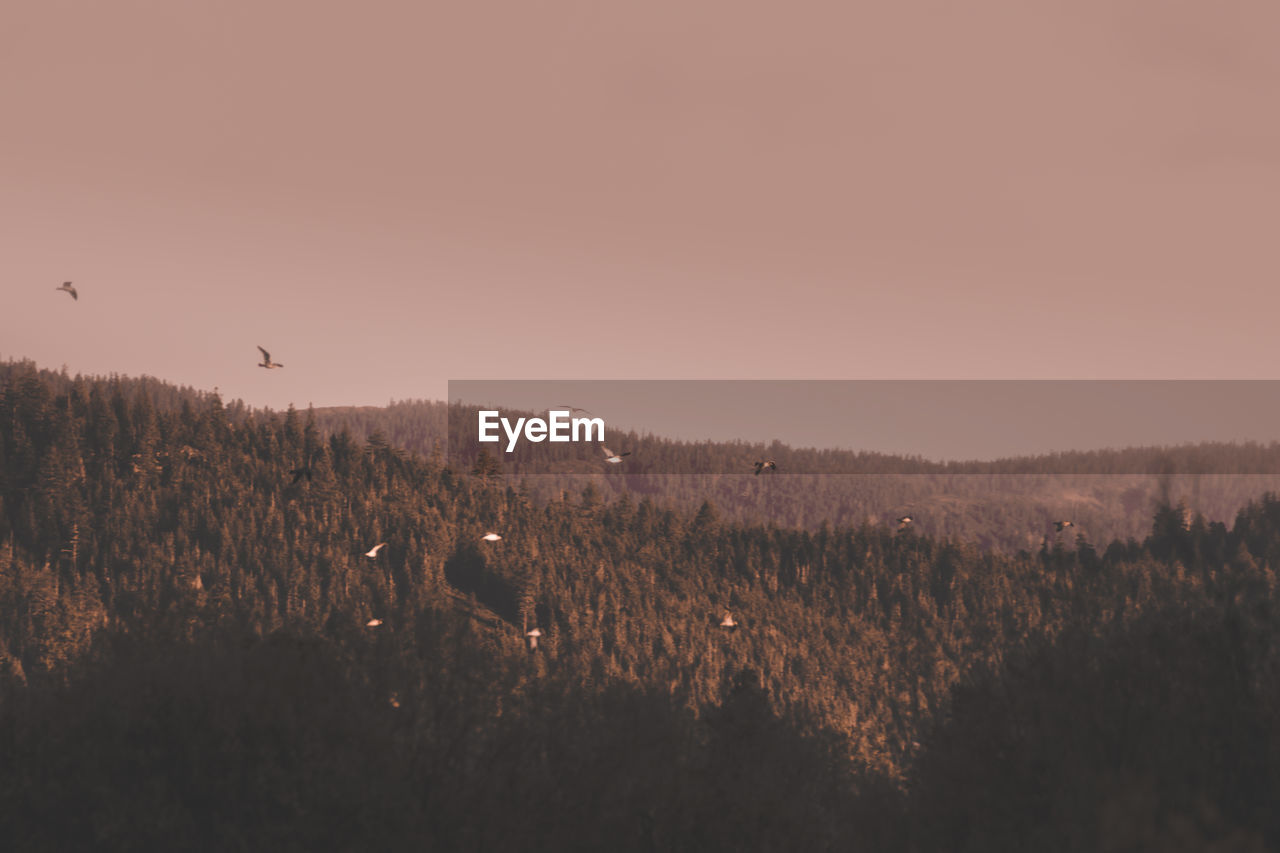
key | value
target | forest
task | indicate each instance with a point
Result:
(197, 650)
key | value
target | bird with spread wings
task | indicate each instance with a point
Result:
(266, 360)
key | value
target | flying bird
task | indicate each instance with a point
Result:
(1062, 525)
(611, 457)
(768, 465)
(904, 521)
(266, 360)
(490, 537)
(573, 410)
(373, 552)
(66, 286)
(533, 638)
(373, 623)
(727, 621)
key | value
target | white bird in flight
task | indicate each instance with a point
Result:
(1062, 525)
(904, 521)
(490, 537)
(266, 360)
(769, 465)
(373, 552)
(66, 286)
(613, 458)
(727, 621)
(373, 623)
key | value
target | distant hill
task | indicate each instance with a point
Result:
(1008, 504)
(1005, 505)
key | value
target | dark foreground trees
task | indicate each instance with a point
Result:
(1161, 734)
(273, 744)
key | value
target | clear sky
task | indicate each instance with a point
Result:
(388, 195)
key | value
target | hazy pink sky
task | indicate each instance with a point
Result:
(391, 194)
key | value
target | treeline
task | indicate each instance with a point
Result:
(185, 655)
(1004, 505)
(429, 428)
(159, 393)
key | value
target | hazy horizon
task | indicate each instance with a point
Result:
(938, 420)
(960, 420)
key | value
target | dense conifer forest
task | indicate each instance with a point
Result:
(197, 653)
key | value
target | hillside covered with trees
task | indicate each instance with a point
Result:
(196, 652)
(1006, 505)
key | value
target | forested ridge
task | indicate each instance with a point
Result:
(186, 659)
(1005, 505)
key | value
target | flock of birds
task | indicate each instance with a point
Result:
(306, 471)
(532, 635)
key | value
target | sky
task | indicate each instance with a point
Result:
(389, 195)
